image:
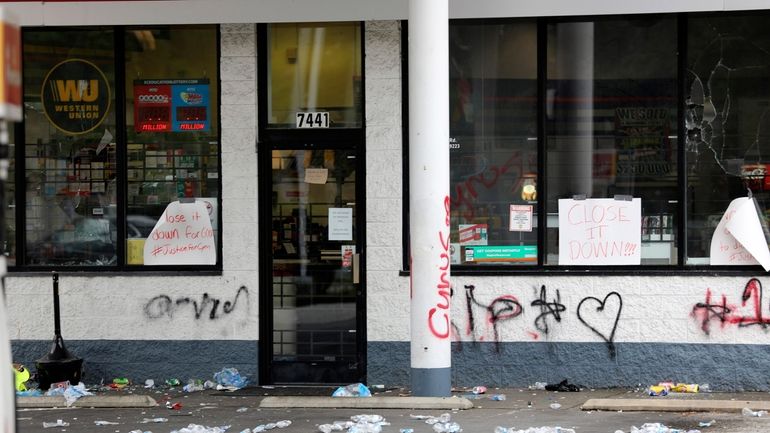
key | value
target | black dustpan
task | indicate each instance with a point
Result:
(59, 364)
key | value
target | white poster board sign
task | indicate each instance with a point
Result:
(739, 238)
(182, 236)
(340, 224)
(600, 232)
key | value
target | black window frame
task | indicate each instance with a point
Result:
(681, 267)
(121, 140)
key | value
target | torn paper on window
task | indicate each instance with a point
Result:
(739, 238)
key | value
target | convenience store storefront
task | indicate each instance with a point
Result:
(291, 132)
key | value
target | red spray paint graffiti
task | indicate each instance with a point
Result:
(727, 314)
(444, 289)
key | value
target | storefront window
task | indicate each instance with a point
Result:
(611, 113)
(171, 112)
(90, 173)
(70, 166)
(314, 77)
(493, 143)
(727, 125)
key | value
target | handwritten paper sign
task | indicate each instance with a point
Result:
(739, 238)
(316, 175)
(600, 232)
(182, 236)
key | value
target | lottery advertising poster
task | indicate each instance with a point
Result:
(190, 105)
(152, 106)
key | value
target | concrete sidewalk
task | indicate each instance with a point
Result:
(516, 398)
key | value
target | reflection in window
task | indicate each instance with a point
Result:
(315, 68)
(727, 121)
(172, 130)
(493, 144)
(611, 122)
(69, 164)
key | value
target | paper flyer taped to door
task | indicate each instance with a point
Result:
(739, 238)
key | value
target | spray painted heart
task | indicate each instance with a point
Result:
(600, 308)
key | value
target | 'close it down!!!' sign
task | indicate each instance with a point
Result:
(182, 236)
(600, 232)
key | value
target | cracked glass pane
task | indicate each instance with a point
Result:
(726, 121)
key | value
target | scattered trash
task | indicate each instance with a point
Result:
(58, 423)
(29, 393)
(120, 381)
(479, 389)
(357, 424)
(705, 388)
(352, 390)
(209, 385)
(420, 417)
(153, 420)
(173, 382)
(269, 426)
(173, 406)
(197, 428)
(70, 393)
(21, 376)
(447, 427)
(229, 377)
(656, 427)
(657, 390)
(139, 431)
(193, 385)
(748, 412)
(149, 383)
(538, 385)
(706, 423)
(99, 422)
(555, 405)
(242, 409)
(497, 397)
(563, 386)
(406, 430)
(685, 387)
(545, 429)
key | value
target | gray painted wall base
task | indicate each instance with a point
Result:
(725, 367)
(432, 382)
(139, 360)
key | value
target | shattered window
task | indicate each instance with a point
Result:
(727, 121)
(611, 122)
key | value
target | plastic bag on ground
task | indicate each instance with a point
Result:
(748, 412)
(352, 390)
(656, 427)
(70, 393)
(229, 377)
(544, 429)
(197, 428)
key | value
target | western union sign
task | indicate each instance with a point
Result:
(76, 96)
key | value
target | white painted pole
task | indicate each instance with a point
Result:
(431, 358)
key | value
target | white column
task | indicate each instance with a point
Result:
(429, 197)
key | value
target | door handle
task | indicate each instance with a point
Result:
(356, 270)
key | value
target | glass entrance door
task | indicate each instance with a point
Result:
(315, 267)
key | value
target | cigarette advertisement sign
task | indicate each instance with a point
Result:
(171, 105)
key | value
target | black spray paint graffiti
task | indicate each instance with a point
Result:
(600, 308)
(554, 309)
(592, 312)
(501, 309)
(164, 305)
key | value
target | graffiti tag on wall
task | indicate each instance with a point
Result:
(205, 307)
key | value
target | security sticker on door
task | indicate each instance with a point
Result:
(312, 119)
